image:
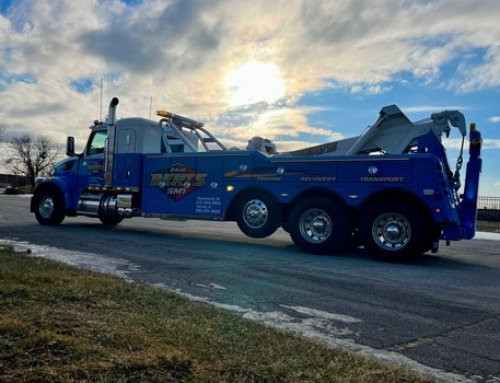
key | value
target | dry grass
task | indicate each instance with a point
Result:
(61, 324)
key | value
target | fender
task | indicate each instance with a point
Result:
(65, 185)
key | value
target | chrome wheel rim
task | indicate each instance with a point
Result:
(46, 207)
(391, 231)
(255, 213)
(315, 225)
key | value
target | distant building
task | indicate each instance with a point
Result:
(12, 179)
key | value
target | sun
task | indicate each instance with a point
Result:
(254, 82)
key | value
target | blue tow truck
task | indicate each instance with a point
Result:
(391, 189)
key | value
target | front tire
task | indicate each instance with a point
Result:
(258, 215)
(49, 207)
(319, 226)
(394, 231)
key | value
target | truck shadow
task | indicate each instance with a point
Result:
(94, 236)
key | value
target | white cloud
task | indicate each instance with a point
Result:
(369, 89)
(495, 119)
(484, 75)
(433, 108)
(455, 143)
(491, 144)
(179, 53)
(283, 125)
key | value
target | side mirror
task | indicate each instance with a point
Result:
(70, 147)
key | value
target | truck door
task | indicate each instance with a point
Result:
(127, 164)
(91, 171)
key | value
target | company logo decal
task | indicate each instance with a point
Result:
(177, 181)
(95, 167)
(382, 179)
(318, 179)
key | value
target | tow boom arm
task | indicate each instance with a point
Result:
(392, 133)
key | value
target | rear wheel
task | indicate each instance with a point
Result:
(258, 215)
(319, 226)
(49, 207)
(394, 231)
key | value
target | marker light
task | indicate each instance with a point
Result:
(184, 121)
(164, 113)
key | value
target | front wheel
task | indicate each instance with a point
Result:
(258, 215)
(49, 207)
(319, 226)
(394, 231)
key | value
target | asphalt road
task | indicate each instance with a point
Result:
(440, 316)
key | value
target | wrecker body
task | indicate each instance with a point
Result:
(391, 189)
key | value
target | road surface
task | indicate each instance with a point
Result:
(440, 316)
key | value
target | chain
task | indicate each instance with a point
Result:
(460, 160)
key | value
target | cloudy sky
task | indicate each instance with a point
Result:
(298, 72)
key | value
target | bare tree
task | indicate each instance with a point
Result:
(29, 156)
(3, 127)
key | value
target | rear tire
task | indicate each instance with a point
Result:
(319, 226)
(394, 231)
(49, 207)
(258, 215)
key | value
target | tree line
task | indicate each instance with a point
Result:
(28, 154)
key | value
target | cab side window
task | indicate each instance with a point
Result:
(97, 143)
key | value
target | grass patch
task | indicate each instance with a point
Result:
(62, 324)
